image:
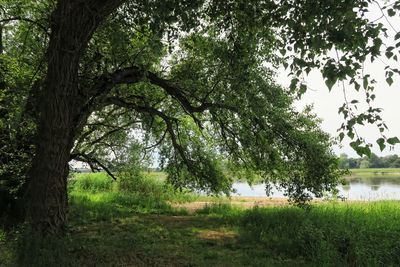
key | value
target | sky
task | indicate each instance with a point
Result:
(326, 106)
(326, 103)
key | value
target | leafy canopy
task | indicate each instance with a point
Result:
(195, 80)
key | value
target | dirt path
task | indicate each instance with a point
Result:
(245, 202)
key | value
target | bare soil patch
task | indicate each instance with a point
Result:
(242, 201)
(221, 236)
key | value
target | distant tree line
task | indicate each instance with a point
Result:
(391, 161)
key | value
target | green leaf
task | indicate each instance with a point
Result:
(341, 136)
(389, 54)
(293, 84)
(365, 82)
(303, 89)
(391, 12)
(367, 151)
(389, 80)
(354, 144)
(393, 140)
(390, 49)
(361, 150)
(330, 83)
(381, 143)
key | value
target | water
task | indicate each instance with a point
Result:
(364, 188)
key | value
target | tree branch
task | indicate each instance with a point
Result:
(107, 81)
(89, 160)
(158, 142)
(116, 129)
(134, 74)
(167, 119)
(122, 103)
(176, 92)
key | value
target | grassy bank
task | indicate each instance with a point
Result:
(375, 172)
(112, 226)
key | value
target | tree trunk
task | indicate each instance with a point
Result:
(73, 24)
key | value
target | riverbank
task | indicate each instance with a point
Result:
(374, 172)
(241, 202)
(140, 227)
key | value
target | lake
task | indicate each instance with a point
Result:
(359, 188)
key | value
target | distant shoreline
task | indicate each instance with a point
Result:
(380, 172)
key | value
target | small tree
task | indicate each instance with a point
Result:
(395, 164)
(364, 164)
(375, 161)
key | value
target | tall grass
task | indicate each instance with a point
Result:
(94, 199)
(111, 222)
(145, 185)
(97, 197)
(91, 182)
(329, 234)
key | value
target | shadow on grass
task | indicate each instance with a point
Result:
(112, 229)
(125, 230)
(108, 206)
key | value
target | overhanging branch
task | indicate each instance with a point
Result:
(153, 111)
(176, 92)
(91, 161)
(134, 74)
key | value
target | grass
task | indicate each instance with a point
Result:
(111, 226)
(376, 172)
(330, 234)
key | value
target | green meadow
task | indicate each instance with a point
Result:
(375, 172)
(131, 223)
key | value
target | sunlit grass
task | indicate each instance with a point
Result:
(138, 227)
(356, 234)
(375, 172)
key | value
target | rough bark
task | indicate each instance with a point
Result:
(1, 39)
(73, 24)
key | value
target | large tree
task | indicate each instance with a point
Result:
(195, 78)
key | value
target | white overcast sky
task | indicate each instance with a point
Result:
(326, 103)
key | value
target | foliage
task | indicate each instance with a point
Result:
(391, 161)
(364, 164)
(192, 80)
(18, 79)
(344, 161)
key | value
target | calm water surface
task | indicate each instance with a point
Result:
(364, 188)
